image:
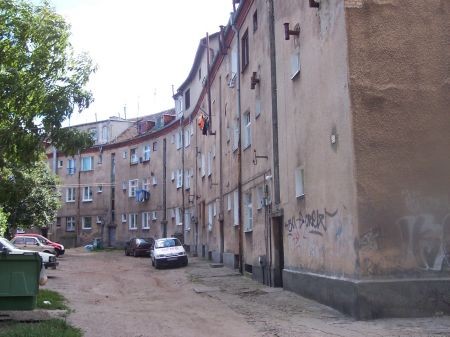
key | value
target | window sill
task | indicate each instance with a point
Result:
(248, 230)
(88, 200)
(70, 201)
(86, 229)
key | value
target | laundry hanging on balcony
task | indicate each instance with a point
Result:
(203, 123)
(142, 195)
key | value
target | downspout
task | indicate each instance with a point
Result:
(183, 179)
(164, 220)
(238, 107)
(78, 202)
(276, 168)
(221, 210)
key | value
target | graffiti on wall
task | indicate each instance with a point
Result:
(298, 227)
(426, 240)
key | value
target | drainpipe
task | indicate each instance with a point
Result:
(273, 84)
(221, 210)
(164, 220)
(238, 108)
(183, 179)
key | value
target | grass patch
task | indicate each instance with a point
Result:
(57, 301)
(50, 328)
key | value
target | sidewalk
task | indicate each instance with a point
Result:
(276, 312)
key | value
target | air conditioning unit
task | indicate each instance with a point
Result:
(232, 80)
(140, 159)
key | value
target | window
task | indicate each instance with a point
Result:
(235, 135)
(70, 194)
(248, 212)
(93, 133)
(132, 221)
(100, 159)
(87, 163)
(124, 155)
(236, 207)
(187, 137)
(255, 21)
(146, 184)
(146, 219)
(209, 163)
(99, 219)
(60, 163)
(86, 222)
(299, 179)
(179, 106)
(245, 51)
(234, 61)
(179, 178)
(214, 208)
(87, 193)
(147, 152)
(295, 64)
(229, 202)
(71, 166)
(99, 189)
(124, 218)
(187, 219)
(154, 217)
(154, 181)
(247, 130)
(187, 99)
(173, 176)
(70, 224)
(155, 146)
(200, 74)
(257, 105)
(178, 216)
(105, 134)
(202, 165)
(132, 187)
(133, 156)
(260, 197)
(210, 216)
(179, 140)
(187, 179)
(172, 213)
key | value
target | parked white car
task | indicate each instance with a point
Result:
(48, 260)
(168, 251)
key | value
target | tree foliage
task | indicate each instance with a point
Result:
(3, 222)
(41, 82)
(29, 195)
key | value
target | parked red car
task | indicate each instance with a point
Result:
(59, 248)
(138, 247)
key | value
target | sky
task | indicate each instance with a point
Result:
(141, 48)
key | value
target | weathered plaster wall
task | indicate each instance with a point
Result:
(319, 228)
(399, 84)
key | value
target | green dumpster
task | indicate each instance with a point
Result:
(19, 280)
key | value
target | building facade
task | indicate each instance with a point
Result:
(308, 147)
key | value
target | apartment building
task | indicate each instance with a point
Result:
(321, 165)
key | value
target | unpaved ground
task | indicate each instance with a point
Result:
(118, 296)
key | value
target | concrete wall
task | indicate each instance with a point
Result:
(398, 57)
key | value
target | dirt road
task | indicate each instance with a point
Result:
(117, 296)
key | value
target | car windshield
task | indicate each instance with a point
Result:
(167, 243)
(42, 240)
(7, 244)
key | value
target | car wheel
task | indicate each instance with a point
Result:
(126, 252)
(135, 254)
(156, 264)
(153, 262)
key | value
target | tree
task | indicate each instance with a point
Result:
(41, 83)
(29, 195)
(3, 222)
